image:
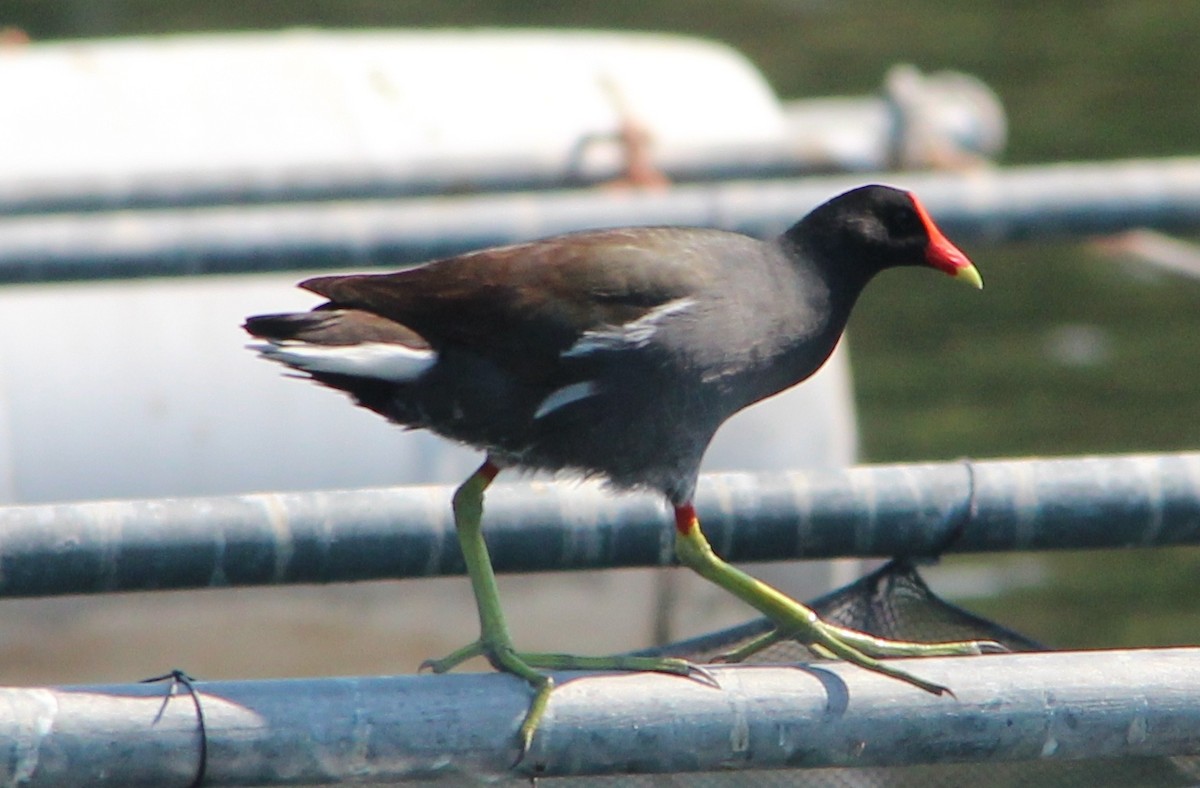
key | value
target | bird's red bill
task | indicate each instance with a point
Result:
(941, 254)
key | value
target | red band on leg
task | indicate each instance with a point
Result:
(488, 470)
(685, 518)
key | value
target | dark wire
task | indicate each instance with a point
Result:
(177, 678)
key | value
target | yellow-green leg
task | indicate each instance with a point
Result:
(795, 621)
(494, 642)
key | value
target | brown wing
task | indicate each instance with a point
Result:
(533, 297)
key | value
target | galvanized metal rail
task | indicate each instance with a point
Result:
(325, 537)
(1048, 707)
(985, 205)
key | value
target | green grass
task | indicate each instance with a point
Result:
(1104, 599)
(943, 373)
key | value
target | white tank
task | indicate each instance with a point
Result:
(230, 116)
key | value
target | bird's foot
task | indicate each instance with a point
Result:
(528, 666)
(795, 621)
(494, 642)
(859, 648)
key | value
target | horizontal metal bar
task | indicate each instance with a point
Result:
(323, 537)
(1051, 707)
(1060, 200)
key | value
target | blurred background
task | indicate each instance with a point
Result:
(1071, 348)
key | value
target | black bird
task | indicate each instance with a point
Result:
(613, 353)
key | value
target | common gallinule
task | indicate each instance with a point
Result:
(612, 353)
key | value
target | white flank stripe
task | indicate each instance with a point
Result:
(565, 396)
(378, 360)
(631, 335)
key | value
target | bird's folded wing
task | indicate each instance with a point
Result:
(539, 298)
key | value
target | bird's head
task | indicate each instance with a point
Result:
(876, 227)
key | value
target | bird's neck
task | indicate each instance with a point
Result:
(823, 296)
(846, 270)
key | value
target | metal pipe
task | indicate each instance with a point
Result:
(1054, 201)
(341, 536)
(1045, 707)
